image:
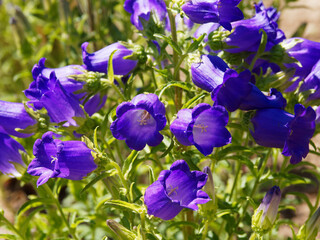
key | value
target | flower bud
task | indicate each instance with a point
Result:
(121, 232)
(310, 229)
(266, 214)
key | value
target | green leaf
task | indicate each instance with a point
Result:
(183, 85)
(129, 162)
(34, 203)
(94, 181)
(132, 207)
(194, 100)
(8, 236)
(110, 67)
(173, 44)
(196, 42)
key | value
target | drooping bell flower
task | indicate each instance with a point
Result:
(70, 85)
(218, 11)
(62, 73)
(280, 129)
(208, 73)
(266, 214)
(203, 127)
(64, 159)
(143, 8)
(48, 93)
(9, 153)
(139, 121)
(237, 92)
(12, 116)
(247, 34)
(174, 190)
(306, 52)
(98, 61)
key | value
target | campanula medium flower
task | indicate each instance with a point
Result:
(9, 152)
(48, 93)
(312, 81)
(63, 159)
(203, 127)
(70, 85)
(272, 12)
(208, 73)
(280, 129)
(174, 190)
(246, 35)
(98, 61)
(139, 121)
(12, 116)
(265, 215)
(218, 11)
(236, 91)
(143, 8)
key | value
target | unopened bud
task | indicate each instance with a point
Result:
(310, 229)
(121, 232)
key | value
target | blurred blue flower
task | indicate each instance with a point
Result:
(9, 153)
(246, 35)
(174, 190)
(265, 215)
(12, 116)
(139, 121)
(208, 73)
(63, 159)
(307, 53)
(237, 92)
(218, 11)
(48, 93)
(203, 127)
(143, 8)
(98, 61)
(280, 129)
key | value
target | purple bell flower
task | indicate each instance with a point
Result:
(143, 8)
(62, 73)
(95, 102)
(48, 93)
(280, 129)
(203, 127)
(174, 190)
(139, 121)
(98, 61)
(208, 73)
(9, 152)
(237, 92)
(312, 81)
(63, 159)
(247, 36)
(272, 12)
(218, 11)
(266, 214)
(12, 116)
(307, 53)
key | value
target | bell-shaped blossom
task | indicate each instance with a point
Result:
(143, 8)
(218, 11)
(307, 53)
(139, 121)
(246, 35)
(70, 85)
(62, 73)
(12, 116)
(280, 129)
(237, 92)
(272, 12)
(98, 61)
(48, 93)
(174, 190)
(266, 214)
(203, 127)
(64, 159)
(208, 73)
(9, 153)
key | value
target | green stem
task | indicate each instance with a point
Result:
(11, 226)
(50, 193)
(235, 180)
(205, 230)
(253, 236)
